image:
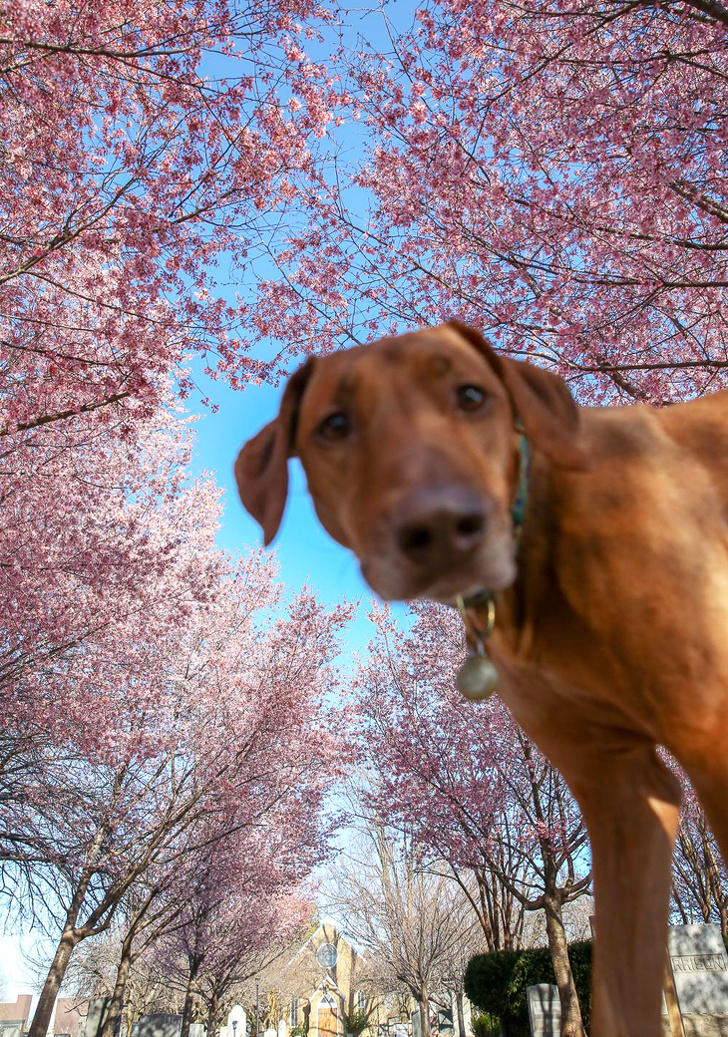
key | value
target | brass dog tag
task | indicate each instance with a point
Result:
(477, 678)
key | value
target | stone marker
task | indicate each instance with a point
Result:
(237, 1023)
(161, 1024)
(544, 1010)
(700, 966)
(96, 1015)
(237, 1015)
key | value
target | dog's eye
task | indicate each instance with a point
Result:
(470, 397)
(336, 426)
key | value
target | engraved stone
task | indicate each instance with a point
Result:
(700, 967)
(160, 1024)
(544, 1010)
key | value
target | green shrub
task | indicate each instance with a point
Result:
(484, 1025)
(356, 1021)
(497, 983)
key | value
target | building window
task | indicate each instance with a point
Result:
(327, 955)
(293, 1018)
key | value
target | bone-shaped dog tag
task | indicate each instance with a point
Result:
(477, 678)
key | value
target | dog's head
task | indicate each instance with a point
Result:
(410, 453)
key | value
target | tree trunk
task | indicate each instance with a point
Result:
(44, 1011)
(69, 938)
(187, 1008)
(460, 1004)
(424, 1003)
(212, 1016)
(116, 1006)
(571, 1021)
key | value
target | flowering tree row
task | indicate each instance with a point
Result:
(161, 705)
(552, 172)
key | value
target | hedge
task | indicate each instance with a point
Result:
(497, 982)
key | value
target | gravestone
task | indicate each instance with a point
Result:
(700, 967)
(544, 1010)
(416, 1025)
(197, 1030)
(445, 1025)
(8, 1029)
(96, 1016)
(237, 1023)
(161, 1024)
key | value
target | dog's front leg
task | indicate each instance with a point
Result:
(630, 804)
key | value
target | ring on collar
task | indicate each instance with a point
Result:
(477, 635)
(477, 678)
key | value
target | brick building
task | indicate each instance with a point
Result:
(14, 1017)
(68, 1019)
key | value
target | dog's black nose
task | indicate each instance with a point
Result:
(435, 525)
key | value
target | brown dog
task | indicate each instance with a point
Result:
(612, 613)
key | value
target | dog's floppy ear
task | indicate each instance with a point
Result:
(541, 400)
(261, 469)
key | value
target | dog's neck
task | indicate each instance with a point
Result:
(520, 501)
(483, 602)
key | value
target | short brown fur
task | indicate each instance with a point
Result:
(612, 619)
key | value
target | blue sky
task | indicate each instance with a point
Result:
(306, 554)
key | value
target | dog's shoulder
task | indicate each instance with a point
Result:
(698, 427)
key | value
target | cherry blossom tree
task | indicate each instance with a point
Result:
(471, 787)
(143, 144)
(238, 918)
(233, 731)
(553, 173)
(140, 144)
(103, 550)
(229, 921)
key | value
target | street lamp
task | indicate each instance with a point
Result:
(257, 1027)
(235, 1026)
